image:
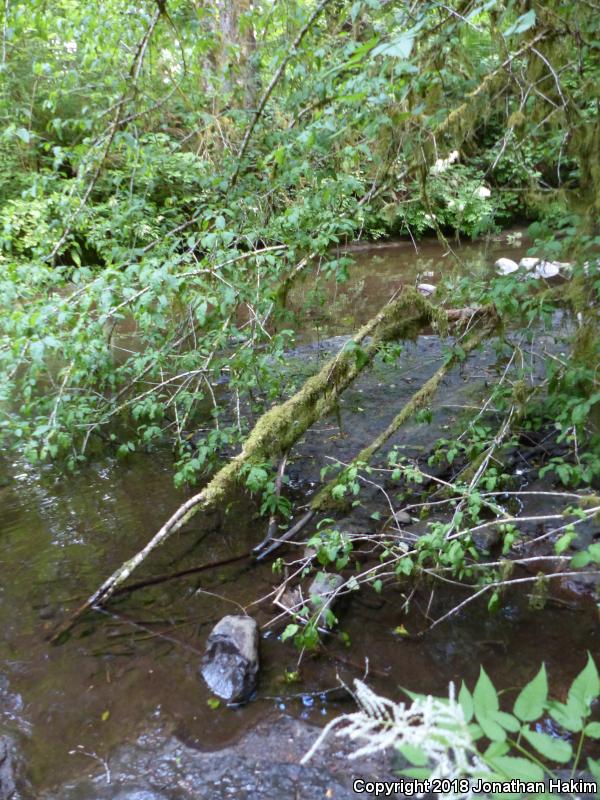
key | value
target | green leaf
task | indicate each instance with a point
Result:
(581, 559)
(519, 768)
(564, 543)
(566, 715)
(531, 701)
(475, 731)
(594, 551)
(405, 566)
(398, 48)
(491, 728)
(594, 768)
(338, 491)
(496, 749)
(465, 698)
(494, 601)
(417, 773)
(592, 729)
(480, 9)
(414, 754)
(550, 747)
(585, 688)
(291, 630)
(522, 24)
(485, 697)
(23, 134)
(507, 721)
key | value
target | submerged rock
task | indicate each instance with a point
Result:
(292, 599)
(323, 588)
(402, 517)
(505, 266)
(8, 786)
(230, 664)
(486, 539)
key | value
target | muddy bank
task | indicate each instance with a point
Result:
(263, 765)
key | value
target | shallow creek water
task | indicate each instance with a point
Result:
(137, 666)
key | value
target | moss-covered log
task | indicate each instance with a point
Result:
(283, 425)
(420, 399)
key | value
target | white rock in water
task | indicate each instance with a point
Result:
(402, 517)
(529, 263)
(547, 270)
(426, 289)
(505, 266)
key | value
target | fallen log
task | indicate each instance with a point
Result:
(282, 426)
(487, 320)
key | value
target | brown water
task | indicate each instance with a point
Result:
(138, 665)
(325, 308)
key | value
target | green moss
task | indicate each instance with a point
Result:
(282, 426)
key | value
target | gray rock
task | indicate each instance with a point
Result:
(92, 790)
(310, 552)
(487, 538)
(230, 664)
(7, 770)
(402, 517)
(323, 588)
(505, 266)
(426, 289)
(263, 764)
(354, 525)
(292, 599)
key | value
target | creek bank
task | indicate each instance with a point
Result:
(8, 785)
(262, 765)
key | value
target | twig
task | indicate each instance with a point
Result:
(504, 584)
(302, 522)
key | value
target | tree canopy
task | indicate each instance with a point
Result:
(169, 169)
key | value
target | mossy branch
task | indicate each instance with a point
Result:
(283, 425)
(421, 398)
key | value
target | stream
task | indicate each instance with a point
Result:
(120, 710)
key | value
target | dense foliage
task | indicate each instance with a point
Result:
(455, 744)
(166, 172)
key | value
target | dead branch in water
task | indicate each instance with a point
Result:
(182, 573)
